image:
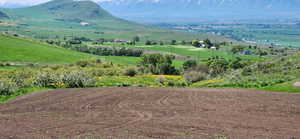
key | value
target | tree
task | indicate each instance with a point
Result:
(262, 53)
(237, 63)
(154, 43)
(217, 66)
(183, 43)
(208, 43)
(158, 64)
(218, 46)
(173, 42)
(237, 49)
(148, 42)
(196, 43)
(100, 41)
(161, 43)
(136, 39)
(189, 64)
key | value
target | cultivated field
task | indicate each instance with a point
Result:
(129, 113)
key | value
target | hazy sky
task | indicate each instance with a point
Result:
(27, 2)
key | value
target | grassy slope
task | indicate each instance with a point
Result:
(278, 74)
(22, 92)
(284, 87)
(20, 50)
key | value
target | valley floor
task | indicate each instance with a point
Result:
(151, 113)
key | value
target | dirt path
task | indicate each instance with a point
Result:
(151, 113)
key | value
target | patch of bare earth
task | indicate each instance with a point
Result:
(151, 113)
(297, 84)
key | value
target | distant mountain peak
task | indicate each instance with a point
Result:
(200, 9)
(3, 15)
(82, 9)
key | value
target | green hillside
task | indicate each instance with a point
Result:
(60, 18)
(14, 49)
(277, 74)
(19, 50)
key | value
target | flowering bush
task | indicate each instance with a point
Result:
(46, 79)
(77, 79)
(72, 79)
(7, 87)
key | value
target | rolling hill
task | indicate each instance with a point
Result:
(14, 49)
(59, 18)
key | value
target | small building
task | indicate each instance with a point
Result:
(247, 52)
(213, 48)
(202, 44)
(84, 23)
(121, 41)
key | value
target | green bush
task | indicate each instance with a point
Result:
(82, 63)
(189, 64)
(217, 66)
(130, 72)
(7, 87)
(158, 64)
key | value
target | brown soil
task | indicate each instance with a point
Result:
(151, 113)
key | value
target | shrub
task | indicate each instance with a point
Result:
(82, 63)
(196, 43)
(78, 79)
(217, 66)
(46, 79)
(195, 76)
(148, 42)
(237, 63)
(7, 87)
(173, 42)
(72, 79)
(130, 72)
(237, 49)
(107, 51)
(189, 64)
(246, 71)
(201, 68)
(158, 64)
(22, 80)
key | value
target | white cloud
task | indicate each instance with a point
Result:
(22, 2)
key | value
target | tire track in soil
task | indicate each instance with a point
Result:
(153, 113)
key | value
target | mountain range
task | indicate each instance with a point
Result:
(3, 15)
(82, 18)
(194, 10)
(143, 10)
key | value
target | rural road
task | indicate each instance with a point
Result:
(151, 113)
